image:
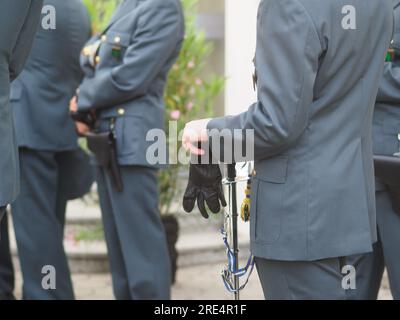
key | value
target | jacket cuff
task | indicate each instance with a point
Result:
(218, 124)
(97, 93)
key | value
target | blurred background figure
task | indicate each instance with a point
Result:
(126, 69)
(18, 25)
(53, 168)
(386, 137)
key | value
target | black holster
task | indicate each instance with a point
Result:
(104, 147)
(387, 170)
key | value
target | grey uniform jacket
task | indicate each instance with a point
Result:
(319, 64)
(138, 49)
(386, 124)
(40, 96)
(18, 25)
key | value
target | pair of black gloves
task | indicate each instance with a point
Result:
(205, 187)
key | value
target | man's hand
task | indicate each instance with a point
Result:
(194, 132)
(81, 128)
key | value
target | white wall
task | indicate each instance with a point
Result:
(240, 43)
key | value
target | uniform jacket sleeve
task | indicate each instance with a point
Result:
(153, 41)
(287, 55)
(389, 88)
(25, 39)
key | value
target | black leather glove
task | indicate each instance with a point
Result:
(205, 186)
(86, 117)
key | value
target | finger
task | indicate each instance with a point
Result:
(188, 203)
(77, 129)
(73, 104)
(195, 150)
(82, 128)
(195, 136)
(222, 197)
(201, 206)
(213, 203)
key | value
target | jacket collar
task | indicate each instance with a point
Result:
(124, 8)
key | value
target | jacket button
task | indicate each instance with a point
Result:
(86, 51)
(121, 111)
(117, 39)
(254, 173)
(97, 59)
(104, 38)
